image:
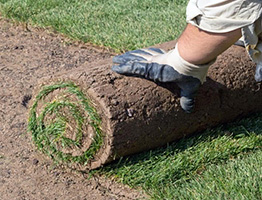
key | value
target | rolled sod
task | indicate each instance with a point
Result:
(92, 116)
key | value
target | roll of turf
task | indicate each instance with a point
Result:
(92, 116)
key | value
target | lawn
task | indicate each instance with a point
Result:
(220, 163)
(120, 25)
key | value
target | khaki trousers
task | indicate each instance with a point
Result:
(221, 16)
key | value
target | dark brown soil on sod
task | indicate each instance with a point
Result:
(139, 115)
(25, 57)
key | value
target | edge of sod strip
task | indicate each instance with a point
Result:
(49, 124)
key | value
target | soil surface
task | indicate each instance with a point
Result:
(26, 55)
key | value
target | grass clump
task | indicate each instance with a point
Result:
(120, 25)
(58, 126)
(166, 173)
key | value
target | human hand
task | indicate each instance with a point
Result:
(157, 65)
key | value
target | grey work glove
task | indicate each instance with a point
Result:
(157, 65)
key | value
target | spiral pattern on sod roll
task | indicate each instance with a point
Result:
(65, 125)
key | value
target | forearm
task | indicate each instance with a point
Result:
(200, 47)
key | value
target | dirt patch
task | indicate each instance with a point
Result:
(25, 57)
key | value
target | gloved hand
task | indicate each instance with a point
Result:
(157, 65)
(252, 37)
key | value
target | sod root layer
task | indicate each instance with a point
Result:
(91, 116)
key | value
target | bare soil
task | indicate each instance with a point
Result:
(26, 55)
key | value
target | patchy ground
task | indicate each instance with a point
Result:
(26, 55)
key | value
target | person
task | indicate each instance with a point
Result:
(212, 27)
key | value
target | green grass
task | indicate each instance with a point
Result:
(50, 123)
(184, 170)
(121, 25)
(239, 179)
(221, 163)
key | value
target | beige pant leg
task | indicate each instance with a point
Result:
(221, 16)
